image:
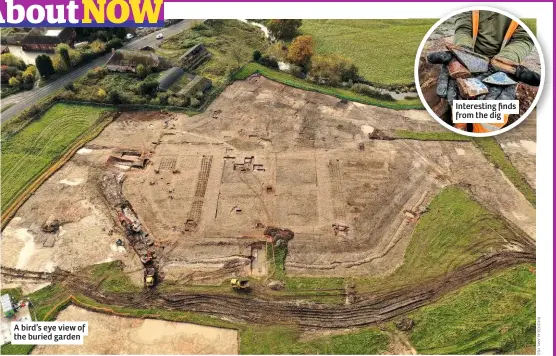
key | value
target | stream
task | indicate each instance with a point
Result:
(284, 67)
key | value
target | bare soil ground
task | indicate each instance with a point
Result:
(113, 335)
(520, 145)
(263, 154)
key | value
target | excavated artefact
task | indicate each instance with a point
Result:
(458, 70)
(509, 93)
(442, 85)
(474, 62)
(493, 93)
(452, 93)
(504, 65)
(499, 78)
(471, 87)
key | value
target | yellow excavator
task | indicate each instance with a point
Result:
(149, 277)
(239, 283)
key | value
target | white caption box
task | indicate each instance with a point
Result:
(483, 111)
(49, 333)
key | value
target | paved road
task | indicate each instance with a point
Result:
(22, 101)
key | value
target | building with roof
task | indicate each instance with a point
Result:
(194, 57)
(197, 84)
(46, 39)
(127, 61)
(169, 77)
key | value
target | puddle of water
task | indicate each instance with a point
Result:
(49, 266)
(116, 248)
(28, 249)
(283, 66)
(72, 182)
(530, 146)
(84, 151)
(367, 129)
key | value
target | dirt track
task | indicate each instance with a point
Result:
(370, 309)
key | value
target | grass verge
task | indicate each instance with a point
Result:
(431, 136)
(496, 315)
(6, 107)
(288, 79)
(494, 153)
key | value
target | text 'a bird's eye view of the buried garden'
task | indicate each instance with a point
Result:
(271, 186)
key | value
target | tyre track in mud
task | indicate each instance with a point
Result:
(369, 309)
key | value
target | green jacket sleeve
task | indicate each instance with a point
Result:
(463, 34)
(519, 46)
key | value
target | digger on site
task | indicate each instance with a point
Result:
(503, 42)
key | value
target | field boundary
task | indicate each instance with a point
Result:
(287, 79)
(33, 184)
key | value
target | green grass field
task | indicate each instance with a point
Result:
(496, 315)
(27, 153)
(280, 340)
(383, 50)
(455, 231)
(287, 79)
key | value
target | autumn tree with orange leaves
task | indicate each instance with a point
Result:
(301, 50)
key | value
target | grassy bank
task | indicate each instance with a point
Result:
(288, 79)
(496, 315)
(494, 153)
(280, 340)
(383, 50)
(431, 136)
(455, 231)
(29, 152)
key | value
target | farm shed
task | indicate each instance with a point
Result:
(127, 61)
(194, 57)
(169, 77)
(195, 85)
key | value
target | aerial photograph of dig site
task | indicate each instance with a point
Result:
(258, 187)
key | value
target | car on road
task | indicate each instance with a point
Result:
(159, 36)
(129, 36)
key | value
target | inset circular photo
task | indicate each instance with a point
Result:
(480, 71)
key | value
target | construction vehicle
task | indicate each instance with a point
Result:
(149, 277)
(239, 283)
(146, 258)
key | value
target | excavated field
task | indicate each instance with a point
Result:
(520, 145)
(263, 154)
(114, 335)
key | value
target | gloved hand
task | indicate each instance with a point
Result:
(441, 57)
(527, 76)
(522, 73)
